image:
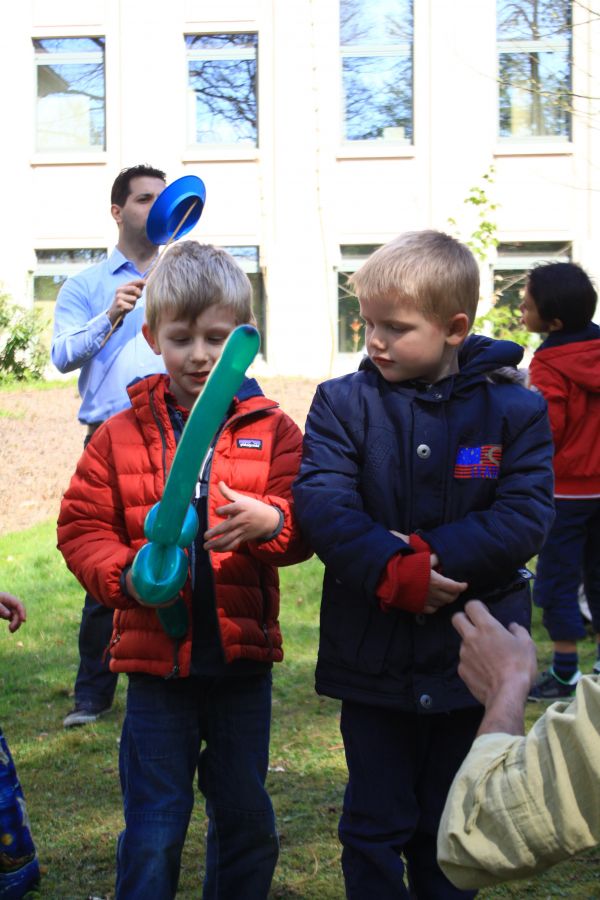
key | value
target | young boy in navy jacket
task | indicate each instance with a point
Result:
(560, 301)
(425, 481)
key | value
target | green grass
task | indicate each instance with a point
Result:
(70, 777)
(12, 386)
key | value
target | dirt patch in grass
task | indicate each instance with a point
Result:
(41, 441)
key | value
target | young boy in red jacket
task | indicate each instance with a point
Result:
(560, 301)
(201, 704)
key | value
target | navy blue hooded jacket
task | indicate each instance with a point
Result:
(467, 464)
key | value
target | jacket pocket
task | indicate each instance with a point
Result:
(354, 631)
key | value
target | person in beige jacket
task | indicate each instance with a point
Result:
(518, 804)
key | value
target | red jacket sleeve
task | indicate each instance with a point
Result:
(405, 580)
(288, 546)
(553, 387)
(91, 527)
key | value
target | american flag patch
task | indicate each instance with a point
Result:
(250, 443)
(478, 462)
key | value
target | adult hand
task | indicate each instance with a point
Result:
(442, 590)
(126, 296)
(12, 609)
(498, 665)
(246, 519)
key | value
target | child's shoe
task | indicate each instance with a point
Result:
(550, 687)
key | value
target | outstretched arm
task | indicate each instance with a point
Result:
(80, 334)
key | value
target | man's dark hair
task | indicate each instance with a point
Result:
(563, 291)
(121, 187)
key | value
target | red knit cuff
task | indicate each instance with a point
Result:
(405, 582)
(418, 544)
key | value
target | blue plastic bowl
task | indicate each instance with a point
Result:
(170, 207)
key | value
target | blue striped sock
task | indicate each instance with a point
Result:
(565, 665)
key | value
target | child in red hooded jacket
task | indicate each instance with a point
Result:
(200, 705)
(560, 301)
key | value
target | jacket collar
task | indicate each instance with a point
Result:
(559, 338)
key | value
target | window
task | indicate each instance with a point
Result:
(70, 113)
(377, 69)
(247, 258)
(55, 266)
(222, 89)
(534, 68)
(351, 329)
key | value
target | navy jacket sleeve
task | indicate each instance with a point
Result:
(483, 546)
(329, 506)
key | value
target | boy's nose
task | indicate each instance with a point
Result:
(376, 340)
(199, 351)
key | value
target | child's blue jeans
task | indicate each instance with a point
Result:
(173, 729)
(570, 556)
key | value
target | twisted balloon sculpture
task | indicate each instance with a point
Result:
(160, 567)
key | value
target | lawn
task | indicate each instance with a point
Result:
(70, 777)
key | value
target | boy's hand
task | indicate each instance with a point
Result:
(13, 610)
(246, 519)
(442, 590)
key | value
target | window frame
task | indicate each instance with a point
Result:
(538, 46)
(91, 152)
(377, 50)
(236, 149)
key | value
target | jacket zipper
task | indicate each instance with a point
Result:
(174, 673)
(226, 425)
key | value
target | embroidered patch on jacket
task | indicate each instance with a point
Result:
(478, 462)
(250, 443)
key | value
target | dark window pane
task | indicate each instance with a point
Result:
(350, 325)
(46, 287)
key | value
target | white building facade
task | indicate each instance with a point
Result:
(321, 128)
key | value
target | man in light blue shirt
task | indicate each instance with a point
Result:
(97, 329)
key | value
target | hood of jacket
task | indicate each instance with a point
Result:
(479, 356)
(576, 356)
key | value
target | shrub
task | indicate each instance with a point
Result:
(23, 354)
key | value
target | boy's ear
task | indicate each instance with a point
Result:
(555, 325)
(457, 329)
(150, 338)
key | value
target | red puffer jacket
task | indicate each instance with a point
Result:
(567, 373)
(122, 474)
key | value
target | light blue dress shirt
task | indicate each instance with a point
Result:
(81, 325)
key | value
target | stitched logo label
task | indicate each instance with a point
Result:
(478, 462)
(250, 443)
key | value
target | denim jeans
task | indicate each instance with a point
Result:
(218, 728)
(400, 768)
(95, 684)
(570, 556)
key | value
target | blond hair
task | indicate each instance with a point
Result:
(432, 271)
(189, 277)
